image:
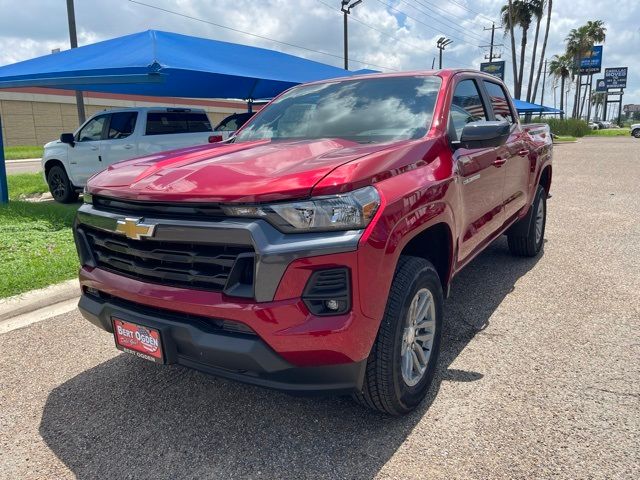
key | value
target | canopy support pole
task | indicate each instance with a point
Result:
(4, 189)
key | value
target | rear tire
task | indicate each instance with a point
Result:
(392, 385)
(636, 133)
(526, 237)
(60, 186)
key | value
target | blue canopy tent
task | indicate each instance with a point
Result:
(165, 64)
(525, 107)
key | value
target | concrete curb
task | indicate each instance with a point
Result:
(24, 160)
(36, 299)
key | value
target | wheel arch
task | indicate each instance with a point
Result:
(435, 244)
(545, 178)
(52, 162)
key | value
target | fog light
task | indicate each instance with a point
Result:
(332, 305)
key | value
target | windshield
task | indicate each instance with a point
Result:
(366, 110)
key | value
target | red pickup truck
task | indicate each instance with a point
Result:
(312, 251)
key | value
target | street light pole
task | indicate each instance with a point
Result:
(441, 44)
(73, 39)
(346, 7)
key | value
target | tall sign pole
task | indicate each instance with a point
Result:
(73, 39)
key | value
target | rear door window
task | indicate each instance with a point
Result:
(121, 125)
(166, 123)
(499, 102)
(466, 107)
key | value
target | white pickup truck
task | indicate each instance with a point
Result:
(635, 130)
(114, 135)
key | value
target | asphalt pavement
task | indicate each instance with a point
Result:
(31, 165)
(539, 378)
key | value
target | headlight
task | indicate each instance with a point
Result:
(350, 211)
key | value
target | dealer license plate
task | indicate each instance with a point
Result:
(141, 341)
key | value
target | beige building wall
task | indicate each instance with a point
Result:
(36, 118)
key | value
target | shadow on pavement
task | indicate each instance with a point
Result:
(129, 419)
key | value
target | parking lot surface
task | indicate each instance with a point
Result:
(539, 376)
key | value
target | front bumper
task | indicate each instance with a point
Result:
(196, 343)
(291, 348)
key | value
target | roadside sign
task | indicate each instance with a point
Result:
(631, 107)
(615, 77)
(493, 68)
(601, 85)
(592, 62)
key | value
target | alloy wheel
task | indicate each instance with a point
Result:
(539, 221)
(418, 336)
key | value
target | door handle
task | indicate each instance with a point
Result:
(498, 162)
(94, 147)
(128, 146)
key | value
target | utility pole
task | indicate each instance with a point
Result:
(492, 44)
(544, 78)
(73, 39)
(346, 7)
(441, 44)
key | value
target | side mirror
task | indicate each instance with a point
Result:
(215, 138)
(68, 138)
(484, 134)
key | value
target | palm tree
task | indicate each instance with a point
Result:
(517, 14)
(598, 99)
(580, 41)
(510, 21)
(544, 48)
(561, 68)
(537, 11)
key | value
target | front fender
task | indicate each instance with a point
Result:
(404, 217)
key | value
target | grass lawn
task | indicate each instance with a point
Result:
(26, 184)
(610, 132)
(22, 151)
(36, 243)
(561, 138)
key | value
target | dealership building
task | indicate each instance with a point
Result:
(35, 116)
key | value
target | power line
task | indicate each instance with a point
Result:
(376, 29)
(470, 10)
(448, 13)
(257, 36)
(453, 25)
(423, 23)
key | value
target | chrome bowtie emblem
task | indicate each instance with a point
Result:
(132, 228)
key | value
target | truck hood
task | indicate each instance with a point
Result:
(256, 171)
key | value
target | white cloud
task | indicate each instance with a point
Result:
(37, 26)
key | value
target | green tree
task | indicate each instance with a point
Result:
(597, 101)
(579, 43)
(544, 49)
(560, 68)
(518, 13)
(537, 11)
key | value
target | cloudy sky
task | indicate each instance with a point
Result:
(384, 34)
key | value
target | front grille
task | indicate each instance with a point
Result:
(184, 210)
(186, 265)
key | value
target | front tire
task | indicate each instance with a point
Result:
(60, 186)
(526, 237)
(636, 133)
(403, 359)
